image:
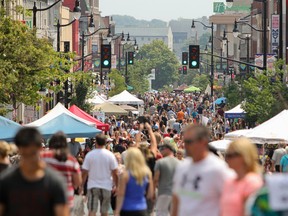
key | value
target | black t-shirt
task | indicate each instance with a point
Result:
(3, 167)
(119, 148)
(165, 120)
(200, 110)
(34, 198)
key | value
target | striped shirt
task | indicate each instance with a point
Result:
(67, 168)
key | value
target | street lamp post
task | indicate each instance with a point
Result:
(226, 41)
(77, 10)
(212, 51)
(264, 30)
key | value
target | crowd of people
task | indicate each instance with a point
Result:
(159, 164)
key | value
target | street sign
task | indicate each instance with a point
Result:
(218, 7)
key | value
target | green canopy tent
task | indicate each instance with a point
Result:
(192, 89)
(129, 88)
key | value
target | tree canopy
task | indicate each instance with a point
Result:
(155, 56)
(28, 64)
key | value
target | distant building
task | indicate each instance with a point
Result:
(145, 35)
(182, 33)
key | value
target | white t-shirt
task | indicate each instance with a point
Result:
(199, 186)
(100, 163)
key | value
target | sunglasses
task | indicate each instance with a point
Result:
(232, 155)
(190, 141)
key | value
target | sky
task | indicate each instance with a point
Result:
(158, 9)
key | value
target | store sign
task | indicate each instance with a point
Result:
(218, 7)
(270, 61)
(275, 32)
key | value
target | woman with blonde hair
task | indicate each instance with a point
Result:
(4, 152)
(135, 184)
(242, 157)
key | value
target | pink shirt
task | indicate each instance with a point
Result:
(236, 192)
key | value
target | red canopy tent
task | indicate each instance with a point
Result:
(80, 113)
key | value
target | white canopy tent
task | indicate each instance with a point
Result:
(220, 145)
(273, 131)
(97, 99)
(58, 110)
(237, 134)
(126, 98)
(236, 112)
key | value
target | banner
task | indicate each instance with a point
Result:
(275, 32)
(270, 61)
(114, 61)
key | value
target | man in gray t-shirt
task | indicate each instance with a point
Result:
(163, 179)
(74, 147)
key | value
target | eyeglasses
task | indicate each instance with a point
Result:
(190, 141)
(232, 155)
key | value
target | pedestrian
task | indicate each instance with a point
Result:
(32, 188)
(61, 160)
(135, 185)
(121, 168)
(180, 154)
(74, 147)
(242, 157)
(198, 183)
(163, 179)
(4, 151)
(101, 169)
(276, 158)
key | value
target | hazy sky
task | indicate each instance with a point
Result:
(158, 9)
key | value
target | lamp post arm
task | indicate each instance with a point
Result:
(259, 30)
(44, 9)
(203, 24)
(88, 35)
(64, 25)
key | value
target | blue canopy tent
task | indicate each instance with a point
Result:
(220, 101)
(236, 112)
(8, 129)
(72, 127)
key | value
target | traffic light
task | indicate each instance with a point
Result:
(184, 69)
(130, 58)
(180, 70)
(184, 58)
(105, 56)
(194, 56)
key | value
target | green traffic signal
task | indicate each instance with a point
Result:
(106, 62)
(194, 63)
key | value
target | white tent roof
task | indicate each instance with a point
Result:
(237, 134)
(236, 109)
(125, 98)
(220, 145)
(57, 111)
(97, 99)
(273, 131)
(236, 112)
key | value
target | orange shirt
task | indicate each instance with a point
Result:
(180, 115)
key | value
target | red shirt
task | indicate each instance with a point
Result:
(67, 168)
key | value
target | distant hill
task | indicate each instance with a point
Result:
(129, 21)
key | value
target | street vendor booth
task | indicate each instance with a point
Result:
(8, 129)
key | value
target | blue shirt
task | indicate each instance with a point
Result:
(134, 199)
(284, 163)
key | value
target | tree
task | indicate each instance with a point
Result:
(263, 92)
(27, 64)
(138, 78)
(231, 92)
(157, 56)
(117, 81)
(201, 81)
